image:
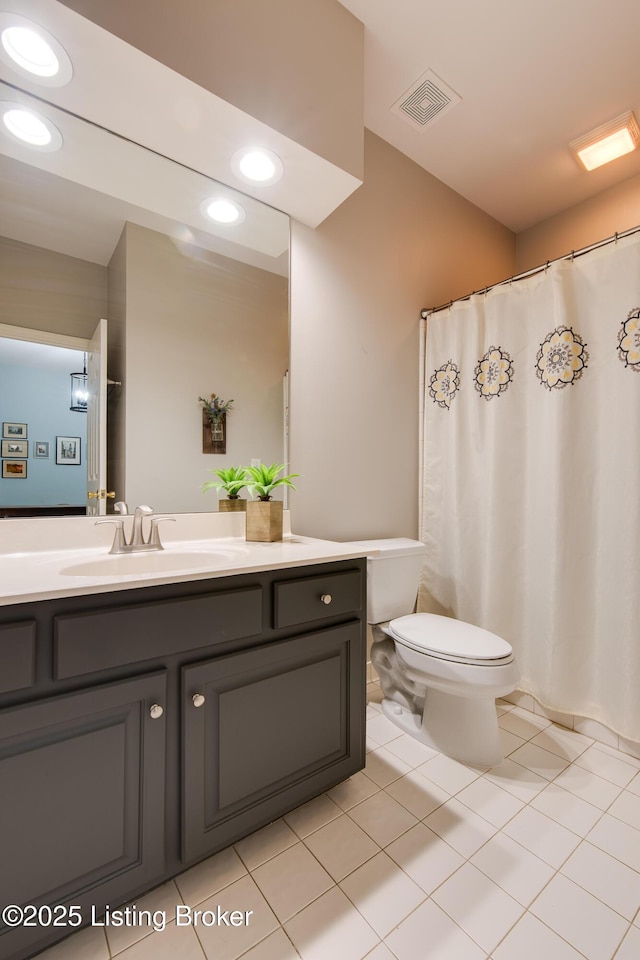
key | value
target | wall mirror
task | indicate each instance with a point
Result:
(104, 228)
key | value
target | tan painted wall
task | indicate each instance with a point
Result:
(615, 209)
(403, 241)
(43, 290)
(296, 66)
(197, 323)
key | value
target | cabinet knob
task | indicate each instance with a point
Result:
(198, 699)
(326, 598)
(155, 711)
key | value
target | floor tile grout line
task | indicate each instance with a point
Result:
(529, 801)
(453, 919)
(200, 943)
(554, 932)
(579, 884)
(467, 860)
(172, 880)
(557, 870)
(280, 927)
(554, 781)
(382, 939)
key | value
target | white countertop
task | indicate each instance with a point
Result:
(33, 568)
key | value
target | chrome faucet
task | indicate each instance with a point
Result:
(137, 537)
(137, 543)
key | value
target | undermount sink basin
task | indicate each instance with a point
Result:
(162, 561)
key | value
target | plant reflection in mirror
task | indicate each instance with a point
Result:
(231, 480)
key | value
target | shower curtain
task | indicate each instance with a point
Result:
(531, 477)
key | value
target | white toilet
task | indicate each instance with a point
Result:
(440, 677)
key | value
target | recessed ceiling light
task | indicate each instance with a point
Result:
(33, 52)
(224, 211)
(257, 166)
(29, 127)
(607, 142)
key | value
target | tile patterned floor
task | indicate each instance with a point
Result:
(419, 857)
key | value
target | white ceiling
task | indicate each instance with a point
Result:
(533, 75)
(26, 353)
(150, 104)
(76, 200)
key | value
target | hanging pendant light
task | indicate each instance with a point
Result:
(79, 390)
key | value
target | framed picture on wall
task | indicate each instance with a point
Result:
(14, 469)
(68, 450)
(14, 431)
(15, 448)
(41, 448)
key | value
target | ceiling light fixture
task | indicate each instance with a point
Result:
(224, 211)
(33, 52)
(257, 166)
(607, 142)
(29, 127)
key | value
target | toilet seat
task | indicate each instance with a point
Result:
(449, 639)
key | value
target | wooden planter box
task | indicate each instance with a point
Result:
(232, 506)
(264, 520)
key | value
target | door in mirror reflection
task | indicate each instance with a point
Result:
(35, 390)
(97, 493)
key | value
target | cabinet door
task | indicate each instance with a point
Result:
(82, 801)
(277, 725)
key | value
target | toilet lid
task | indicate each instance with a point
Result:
(450, 639)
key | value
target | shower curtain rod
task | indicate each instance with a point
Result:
(427, 311)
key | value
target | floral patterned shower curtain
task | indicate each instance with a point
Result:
(531, 477)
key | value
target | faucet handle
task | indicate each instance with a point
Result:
(121, 508)
(119, 539)
(154, 536)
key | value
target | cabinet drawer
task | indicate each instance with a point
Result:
(301, 601)
(17, 655)
(100, 639)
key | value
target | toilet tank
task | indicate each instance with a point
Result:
(393, 576)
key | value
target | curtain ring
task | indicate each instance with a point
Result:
(546, 266)
(573, 254)
(616, 236)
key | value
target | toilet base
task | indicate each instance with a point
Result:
(462, 728)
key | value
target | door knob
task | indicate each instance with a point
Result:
(326, 598)
(156, 711)
(198, 699)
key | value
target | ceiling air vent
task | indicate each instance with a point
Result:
(426, 100)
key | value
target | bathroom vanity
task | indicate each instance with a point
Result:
(144, 727)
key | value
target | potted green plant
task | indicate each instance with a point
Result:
(232, 480)
(264, 515)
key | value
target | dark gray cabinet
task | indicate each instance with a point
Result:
(143, 730)
(261, 729)
(82, 799)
